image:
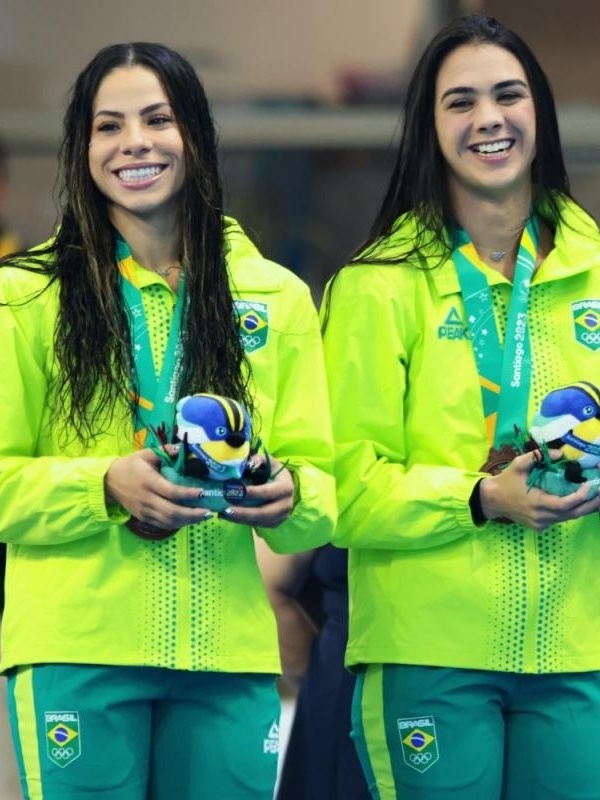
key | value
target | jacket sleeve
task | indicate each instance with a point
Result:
(301, 436)
(45, 498)
(386, 499)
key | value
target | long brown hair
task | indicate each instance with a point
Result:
(92, 340)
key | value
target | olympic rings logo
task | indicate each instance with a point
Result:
(250, 341)
(591, 338)
(62, 753)
(420, 758)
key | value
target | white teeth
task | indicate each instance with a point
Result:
(140, 174)
(492, 147)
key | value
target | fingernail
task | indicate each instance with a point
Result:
(227, 513)
(208, 515)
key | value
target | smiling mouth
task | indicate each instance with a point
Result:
(139, 174)
(492, 148)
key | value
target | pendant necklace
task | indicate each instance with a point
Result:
(165, 272)
(497, 255)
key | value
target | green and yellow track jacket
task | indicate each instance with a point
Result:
(80, 587)
(427, 586)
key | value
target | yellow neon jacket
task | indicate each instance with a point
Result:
(80, 587)
(427, 586)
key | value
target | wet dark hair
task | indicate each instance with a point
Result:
(418, 183)
(92, 340)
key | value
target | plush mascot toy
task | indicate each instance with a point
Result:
(568, 419)
(215, 453)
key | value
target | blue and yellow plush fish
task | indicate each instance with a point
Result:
(569, 420)
(215, 453)
(216, 432)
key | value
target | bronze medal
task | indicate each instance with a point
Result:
(499, 458)
(146, 531)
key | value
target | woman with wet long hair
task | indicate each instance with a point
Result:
(139, 643)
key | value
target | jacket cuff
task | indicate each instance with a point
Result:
(477, 514)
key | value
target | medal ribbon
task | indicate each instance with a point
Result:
(504, 371)
(158, 394)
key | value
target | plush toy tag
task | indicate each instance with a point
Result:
(216, 495)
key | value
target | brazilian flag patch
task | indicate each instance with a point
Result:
(419, 742)
(254, 324)
(63, 738)
(586, 320)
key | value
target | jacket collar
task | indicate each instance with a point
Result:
(576, 250)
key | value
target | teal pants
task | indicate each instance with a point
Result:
(129, 733)
(432, 733)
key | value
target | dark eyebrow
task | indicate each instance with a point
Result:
(497, 87)
(146, 110)
(457, 90)
(510, 84)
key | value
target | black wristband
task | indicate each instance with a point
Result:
(479, 518)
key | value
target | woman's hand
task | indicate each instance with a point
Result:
(135, 482)
(276, 498)
(507, 495)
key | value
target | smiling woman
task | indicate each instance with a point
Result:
(136, 618)
(474, 604)
(485, 126)
(136, 154)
